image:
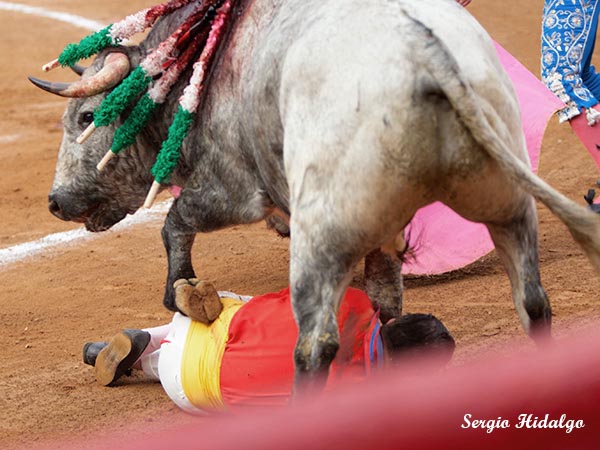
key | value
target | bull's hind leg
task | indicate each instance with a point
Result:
(517, 245)
(383, 279)
(319, 276)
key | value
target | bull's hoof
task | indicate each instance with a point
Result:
(199, 300)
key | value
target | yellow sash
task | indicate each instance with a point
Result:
(202, 356)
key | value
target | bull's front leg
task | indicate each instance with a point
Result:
(178, 241)
(199, 210)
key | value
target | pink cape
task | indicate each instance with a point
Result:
(444, 241)
(589, 136)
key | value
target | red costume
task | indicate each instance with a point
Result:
(245, 358)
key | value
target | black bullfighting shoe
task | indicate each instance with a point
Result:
(91, 350)
(117, 358)
(589, 198)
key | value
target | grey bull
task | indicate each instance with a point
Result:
(345, 117)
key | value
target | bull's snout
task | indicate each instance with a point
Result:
(63, 207)
(54, 207)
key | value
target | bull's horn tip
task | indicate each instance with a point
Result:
(104, 161)
(48, 86)
(86, 133)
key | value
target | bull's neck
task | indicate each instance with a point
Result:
(153, 136)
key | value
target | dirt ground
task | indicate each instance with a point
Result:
(51, 303)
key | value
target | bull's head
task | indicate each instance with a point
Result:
(80, 192)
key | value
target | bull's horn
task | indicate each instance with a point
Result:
(77, 69)
(55, 88)
(116, 67)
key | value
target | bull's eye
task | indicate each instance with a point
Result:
(86, 118)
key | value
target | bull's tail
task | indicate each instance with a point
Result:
(583, 224)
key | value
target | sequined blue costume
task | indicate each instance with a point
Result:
(568, 36)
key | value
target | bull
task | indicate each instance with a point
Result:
(345, 118)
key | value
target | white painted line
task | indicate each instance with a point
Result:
(26, 250)
(71, 19)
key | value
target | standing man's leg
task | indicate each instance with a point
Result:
(591, 79)
(568, 35)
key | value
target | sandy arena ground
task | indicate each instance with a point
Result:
(53, 302)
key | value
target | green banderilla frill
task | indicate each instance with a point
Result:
(139, 117)
(88, 46)
(116, 102)
(168, 157)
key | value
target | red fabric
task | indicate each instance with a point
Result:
(258, 366)
(425, 412)
(589, 136)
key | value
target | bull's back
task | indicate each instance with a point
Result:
(361, 108)
(337, 86)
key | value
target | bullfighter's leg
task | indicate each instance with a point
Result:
(516, 242)
(319, 276)
(383, 279)
(197, 299)
(202, 210)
